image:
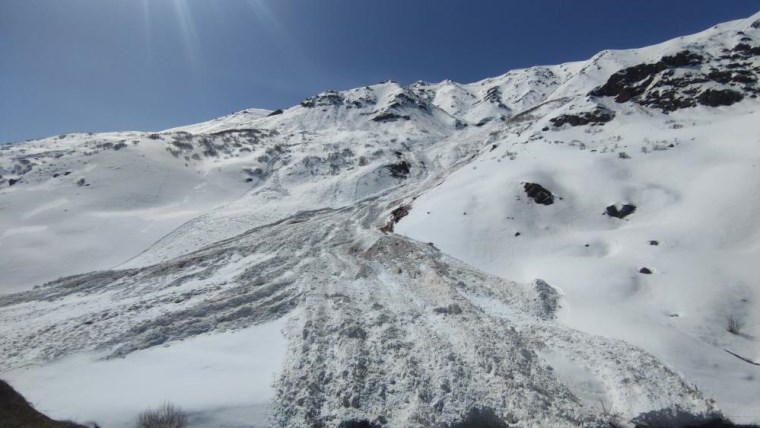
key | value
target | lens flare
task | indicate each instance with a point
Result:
(146, 28)
(189, 35)
(279, 34)
(265, 16)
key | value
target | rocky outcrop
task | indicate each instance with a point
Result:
(715, 98)
(624, 211)
(390, 117)
(399, 169)
(16, 412)
(595, 117)
(686, 79)
(538, 193)
(329, 98)
(396, 216)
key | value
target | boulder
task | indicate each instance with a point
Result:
(538, 193)
(622, 212)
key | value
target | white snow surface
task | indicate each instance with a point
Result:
(371, 254)
(224, 378)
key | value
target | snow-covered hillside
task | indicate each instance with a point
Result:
(557, 246)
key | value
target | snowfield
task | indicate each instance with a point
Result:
(570, 245)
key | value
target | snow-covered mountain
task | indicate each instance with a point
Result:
(557, 246)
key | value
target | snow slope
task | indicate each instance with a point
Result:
(386, 231)
(89, 202)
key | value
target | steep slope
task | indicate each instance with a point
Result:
(382, 228)
(687, 162)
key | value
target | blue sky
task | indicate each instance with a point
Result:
(104, 65)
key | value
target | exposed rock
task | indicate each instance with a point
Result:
(329, 98)
(653, 242)
(16, 412)
(681, 418)
(720, 76)
(714, 98)
(682, 59)
(746, 50)
(389, 117)
(494, 96)
(674, 82)
(538, 193)
(396, 216)
(400, 169)
(406, 99)
(624, 211)
(481, 418)
(633, 81)
(645, 271)
(595, 117)
(275, 113)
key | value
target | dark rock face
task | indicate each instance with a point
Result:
(681, 418)
(645, 271)
(12, 181)
(400, 169)
(16, 412)
(682, 59)
(405, 99)
(720, 76)
(714, 98)
(595, 117)
(400, 213)
(745, 50)
(389, 117)
(482, 418)
(396, 216)
(275, 113)
(633, 81)
(329, 98)
(676, 82)
(538, 193)
(493, 96)
(624, 211)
